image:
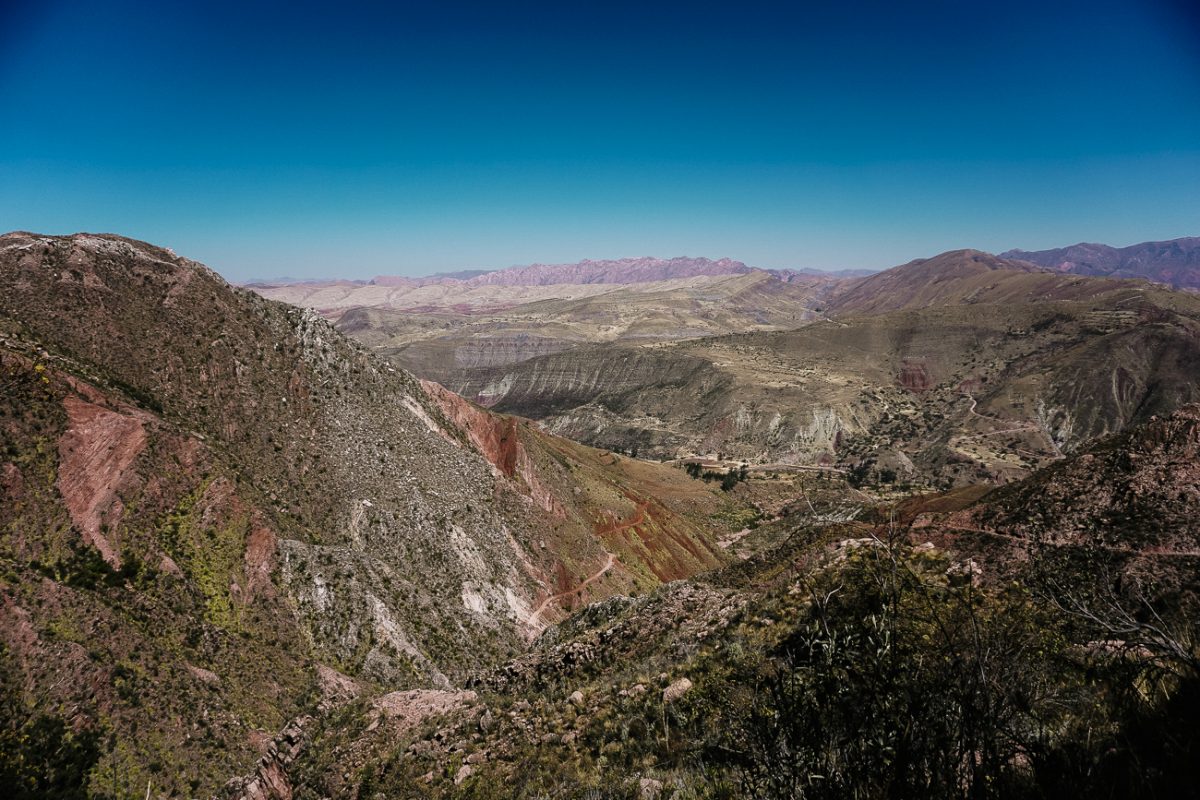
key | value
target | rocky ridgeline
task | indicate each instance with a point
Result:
(673, 620)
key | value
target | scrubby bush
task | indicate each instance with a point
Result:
(900, 677)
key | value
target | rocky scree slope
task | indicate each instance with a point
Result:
(202, 483)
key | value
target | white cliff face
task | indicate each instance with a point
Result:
(495, 391)
(1057, 423)
(820, 435)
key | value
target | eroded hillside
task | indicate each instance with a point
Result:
(443, 328)
(218, 510)
(954, 369)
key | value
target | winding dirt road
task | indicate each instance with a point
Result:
(535, 617)
(1021, 427)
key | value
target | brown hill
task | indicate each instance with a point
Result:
(960, 277)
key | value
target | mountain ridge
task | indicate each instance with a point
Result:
(955, 277)
(178, 450)
(1174, 262)
(895, 364)
(643, 269)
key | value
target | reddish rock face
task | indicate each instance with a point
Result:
(498, 440)
(259, 562)
(914, 376)
(94, 459)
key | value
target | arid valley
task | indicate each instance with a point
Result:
(599, 401)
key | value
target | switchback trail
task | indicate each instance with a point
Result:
(535, 617)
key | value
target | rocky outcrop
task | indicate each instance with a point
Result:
(270, 779)
(676, 690)
(914, 375)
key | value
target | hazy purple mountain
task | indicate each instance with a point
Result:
(1175, 262)
(623, 270)
(604, 271)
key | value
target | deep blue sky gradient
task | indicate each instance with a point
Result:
(343, 139)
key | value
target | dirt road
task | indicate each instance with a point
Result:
(535, 617)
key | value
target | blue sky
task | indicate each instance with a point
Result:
(343, 139)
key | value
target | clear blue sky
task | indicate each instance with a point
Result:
(343, 139)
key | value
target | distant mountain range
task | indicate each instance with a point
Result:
(1175, 262)
(646, 269)
(624, 270)
(793, 367)
(909, 364)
